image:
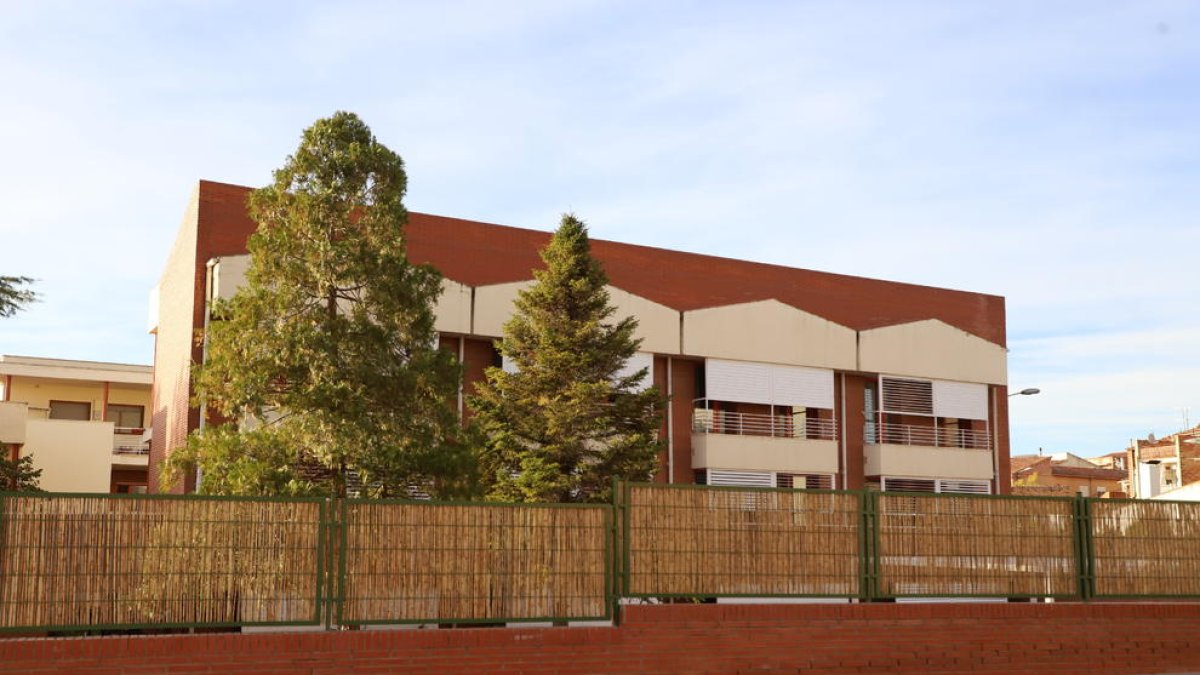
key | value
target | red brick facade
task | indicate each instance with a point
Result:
(882, 638)
(477, 254)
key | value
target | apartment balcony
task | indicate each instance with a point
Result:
(927, 452)
(128, 448)
(762, 442)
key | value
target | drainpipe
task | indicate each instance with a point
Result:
(208, 292)
(996, 441)
(462, 348)
(670, 421)
(845, 454)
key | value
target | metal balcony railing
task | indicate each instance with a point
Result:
(910, 434)
(706, 421)
(131, 450)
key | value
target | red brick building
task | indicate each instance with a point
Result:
(777, 376)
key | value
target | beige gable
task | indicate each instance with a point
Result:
(494, 305)
(658, 325)
(932, 349)
(768, 331)
(452, 313)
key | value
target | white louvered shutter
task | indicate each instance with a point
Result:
(803, 387)
(741, 478)
(963, 400)
(741, 381)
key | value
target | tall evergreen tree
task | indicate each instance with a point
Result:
(325, 365)
(19, 475)
(12, 296)
(567, 421)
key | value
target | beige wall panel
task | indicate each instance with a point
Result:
(83, 371)
(768, 331)
(130, 396)
(932, 349)
(764, 453)
(919, 461)
(493, 307)
(12, 421)
(73, 456)
(39, 392)
(658, 325)
(452, 313)
(228, 275)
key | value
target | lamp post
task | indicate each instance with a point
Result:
(1026, 392)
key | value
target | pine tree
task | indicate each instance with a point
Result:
(566, 422)
(19, 475)
(324, 366)
(14, 298)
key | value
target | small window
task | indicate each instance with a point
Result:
(125, 416)
(70, 410)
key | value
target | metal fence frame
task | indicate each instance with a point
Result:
(1089, 555)
(339, 598)
(319, 573)
(1077, 535)
(624, 507)
(331, 555)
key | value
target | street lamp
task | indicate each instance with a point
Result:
(1026, 392)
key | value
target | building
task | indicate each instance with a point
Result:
(1157, 466)
(777, 376)
(1065, 474)
(82, 421)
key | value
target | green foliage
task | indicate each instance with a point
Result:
(19, 476)
(562, 426)
(13, 298)
(325, 362)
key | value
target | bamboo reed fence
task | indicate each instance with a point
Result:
(695, 541)
(408, 562)
(1143, 548)
(88, 562)
(979, 545)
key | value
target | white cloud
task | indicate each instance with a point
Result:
(1045, 152)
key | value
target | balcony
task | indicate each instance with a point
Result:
(128, 449)
(927, 452)
(763, 442)
(938, 437)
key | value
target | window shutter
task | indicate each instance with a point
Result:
(806, 387)
(909, 485)
(749, 382)
(741, 478)
(899, 395)
(963, 400)
(741, 381)
(970, 487)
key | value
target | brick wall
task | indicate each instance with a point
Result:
(885, 638)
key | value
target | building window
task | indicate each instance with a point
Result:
(71, 410)
(125, 416)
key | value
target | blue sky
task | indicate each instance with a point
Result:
(1048, 152)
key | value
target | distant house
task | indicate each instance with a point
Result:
(82, 421)
(1161, 466)
(1064, 474)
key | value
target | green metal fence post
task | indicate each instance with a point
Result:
(864, 552)
(1087, 578)
(614, 559)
